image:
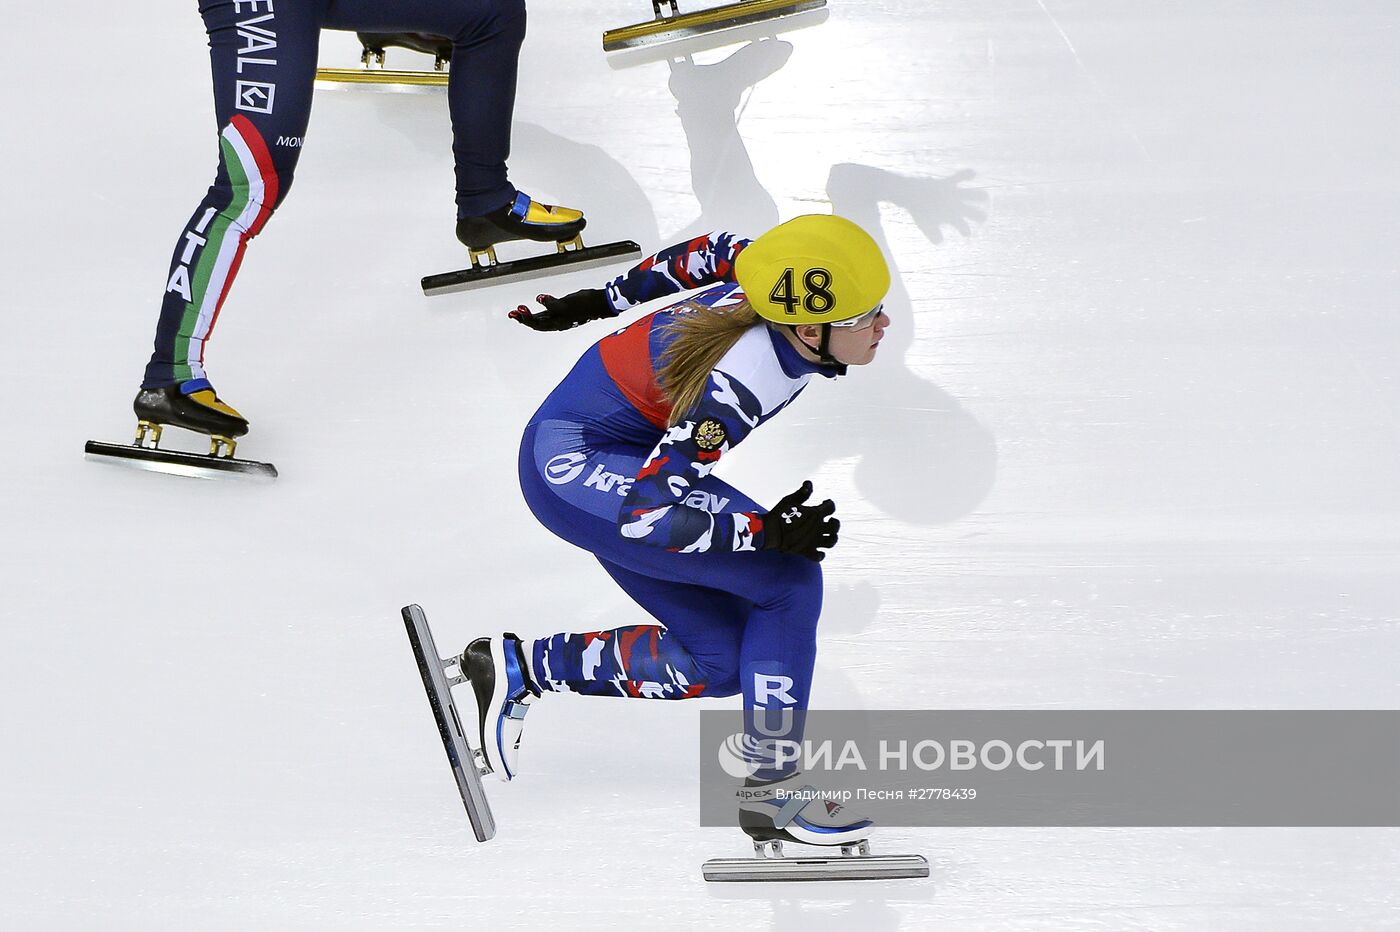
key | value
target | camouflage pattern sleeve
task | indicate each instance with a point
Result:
(705, 260)
(664, 508)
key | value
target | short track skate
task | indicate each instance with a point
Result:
(468, 764)
(855, 862)
(670, 24)
(681, 52)
(486, 269)
(373, 72)
(145, 452)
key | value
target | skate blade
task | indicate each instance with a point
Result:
(460, 755)
(696, 45)
(686, 25)
(389, 79)
(837, 867)
(178, 463)
(520, 269)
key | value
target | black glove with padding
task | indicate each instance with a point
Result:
(567, 312)
(796, 527)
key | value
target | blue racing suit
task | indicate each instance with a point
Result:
(600, 468)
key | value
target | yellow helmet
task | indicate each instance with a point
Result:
(814, 269)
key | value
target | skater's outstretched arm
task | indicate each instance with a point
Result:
(705, 260)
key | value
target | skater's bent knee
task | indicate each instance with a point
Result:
(794, 590)
(720, 674)
(722, 688)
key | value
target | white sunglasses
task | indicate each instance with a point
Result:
(864, 320)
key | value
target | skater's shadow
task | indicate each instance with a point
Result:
(615, 204)
(709, 101)
(543, 163)
(944, 462)
(848, 608)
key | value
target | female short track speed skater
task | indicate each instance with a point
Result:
(618, 460)
(263, 54)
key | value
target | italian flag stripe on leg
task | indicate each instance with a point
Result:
(254, 182)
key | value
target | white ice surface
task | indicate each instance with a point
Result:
(1131, 443)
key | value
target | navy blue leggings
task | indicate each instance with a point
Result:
(263, 55)
(734, 622)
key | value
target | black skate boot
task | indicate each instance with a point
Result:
(193, 405)
(500, 676)
(522, 218)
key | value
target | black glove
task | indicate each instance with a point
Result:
(567, 312)
(795, 527)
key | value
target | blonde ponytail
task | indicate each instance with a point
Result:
(702, 335)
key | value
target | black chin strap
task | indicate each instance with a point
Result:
(824, 354)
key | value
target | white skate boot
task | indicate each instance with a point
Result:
(789, 810)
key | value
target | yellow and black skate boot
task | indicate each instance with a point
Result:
(524, 219)
(521, 219)
(193, 405)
